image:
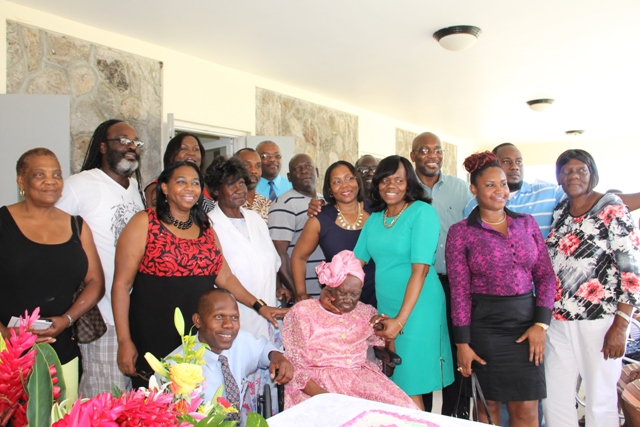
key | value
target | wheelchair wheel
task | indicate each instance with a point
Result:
(265, 401)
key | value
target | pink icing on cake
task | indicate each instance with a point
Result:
(377, 418)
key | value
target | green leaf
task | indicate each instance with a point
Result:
(178, 320)
(40, 392)
(256, 420)
(115, 390)
(51, 358)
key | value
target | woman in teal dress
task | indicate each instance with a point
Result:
(401, 237)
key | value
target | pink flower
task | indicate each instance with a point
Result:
(559, 317)
(592, 291)
(635, 239)
(610, 212)
(630, 282)
(568, 244)
(559, 290)
(578, 219)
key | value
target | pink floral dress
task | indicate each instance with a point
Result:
(331, 350)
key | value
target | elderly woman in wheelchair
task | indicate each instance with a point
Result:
(328, 349)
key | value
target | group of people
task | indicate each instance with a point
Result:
(528, 286)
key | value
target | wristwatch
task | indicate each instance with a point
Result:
(544, 326)
(258, 305)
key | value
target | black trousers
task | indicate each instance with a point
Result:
(450, 393)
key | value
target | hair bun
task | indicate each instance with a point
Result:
(478, 160)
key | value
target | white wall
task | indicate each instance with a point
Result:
(203, 92)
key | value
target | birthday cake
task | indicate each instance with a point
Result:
(376, 418)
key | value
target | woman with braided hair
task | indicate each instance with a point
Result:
(495, 257)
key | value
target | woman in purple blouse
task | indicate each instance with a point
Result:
(495, 257)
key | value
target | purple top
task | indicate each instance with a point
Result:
(481, 260)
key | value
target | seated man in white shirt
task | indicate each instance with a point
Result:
(218, 321)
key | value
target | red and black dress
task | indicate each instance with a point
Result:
(174, 272)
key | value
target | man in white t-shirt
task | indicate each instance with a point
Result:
(106, 195)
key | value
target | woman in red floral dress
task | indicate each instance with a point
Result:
(166, 258)
(595, 251)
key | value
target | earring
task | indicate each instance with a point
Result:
(21, 192)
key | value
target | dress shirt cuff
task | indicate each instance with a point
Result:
(542, 315)
(462, 334)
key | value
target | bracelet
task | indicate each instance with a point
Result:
(544, 326)
(258, 305)
(70, 320)
(401, 327)
(624, 315)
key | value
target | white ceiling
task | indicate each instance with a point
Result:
(380, 55)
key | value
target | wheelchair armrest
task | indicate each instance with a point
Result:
(387, 356)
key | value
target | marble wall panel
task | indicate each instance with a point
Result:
(102, 84)
(325, 134)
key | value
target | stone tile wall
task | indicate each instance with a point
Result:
(325, 134)
(102, 84)
(404, 141)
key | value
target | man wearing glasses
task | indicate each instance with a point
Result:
(450, 195)
(271, 184)
(366, 167)
(106, 195)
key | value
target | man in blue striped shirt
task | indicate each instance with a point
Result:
(538, 200)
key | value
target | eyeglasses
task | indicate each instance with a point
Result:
(582, 171)
(301, 168)
(366, 169)
(425, 151)
(267, 156)
(126, 141)
(336, 182)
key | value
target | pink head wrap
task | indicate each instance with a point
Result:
(343, 263)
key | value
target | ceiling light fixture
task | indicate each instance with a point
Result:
(457, 38)
(576, 132)
(540, 105)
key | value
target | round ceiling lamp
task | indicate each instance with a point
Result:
(457, 38)
(540, 105)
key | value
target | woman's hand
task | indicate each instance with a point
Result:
(304, 296)
(272, 313)
(376, 320)
(466, 356)
(614, 342)
(392, 328)
(537, 337)
(58, 324)
(326, 301)
(283, 294)
(127, 357)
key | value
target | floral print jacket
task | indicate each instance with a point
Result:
(596, 258)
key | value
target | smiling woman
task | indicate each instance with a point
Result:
(165, 258)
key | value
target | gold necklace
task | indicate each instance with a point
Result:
(346, 224)
(384, 217)
(494, 223)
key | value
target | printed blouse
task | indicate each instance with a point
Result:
(169, 255)
(481, 260)
(596, 258)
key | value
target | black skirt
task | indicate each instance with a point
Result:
(496, 323)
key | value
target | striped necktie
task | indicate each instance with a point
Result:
(272, 191)
(230, 387)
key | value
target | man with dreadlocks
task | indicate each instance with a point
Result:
(106, 195)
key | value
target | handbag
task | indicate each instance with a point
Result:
(90, 326)
(476, 394)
